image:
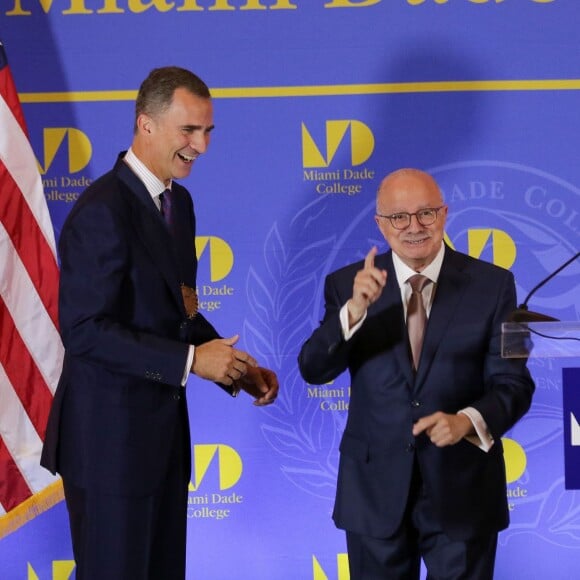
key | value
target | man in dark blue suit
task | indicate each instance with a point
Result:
(421, 471)
(118, 432)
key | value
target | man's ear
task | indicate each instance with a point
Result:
(144, 123)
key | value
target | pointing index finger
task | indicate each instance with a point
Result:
(423, 424)
(370, 258)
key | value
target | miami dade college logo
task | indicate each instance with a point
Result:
(354, 141)
(216, 260)
(227, 460)
(362, 143)
(342, 571)
(77, 145)
(67, 151)
(61, 570)
(219, 467)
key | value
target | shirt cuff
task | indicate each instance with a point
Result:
(347, 332)
(483, 438)
(188, 365)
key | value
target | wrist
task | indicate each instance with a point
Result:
(354, 313)
(466, 424)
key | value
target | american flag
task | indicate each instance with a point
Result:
(31, 350)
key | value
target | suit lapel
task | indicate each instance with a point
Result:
(451, 287)
(151, 230)
(390, 302)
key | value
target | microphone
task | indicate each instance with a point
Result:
(522, 314)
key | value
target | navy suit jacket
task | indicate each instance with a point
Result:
(126, 337)
(460, 366)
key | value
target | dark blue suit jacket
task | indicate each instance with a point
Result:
(460, 366)
(126, 336)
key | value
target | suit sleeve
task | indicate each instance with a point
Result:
(324, 355)
(508, 385)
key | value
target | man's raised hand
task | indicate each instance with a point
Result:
(367, 288)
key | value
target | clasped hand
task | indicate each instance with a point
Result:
(260, 383)
(218, 361)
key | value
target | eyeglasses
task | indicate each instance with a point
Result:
(402, 219)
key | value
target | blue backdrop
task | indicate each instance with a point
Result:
(315, 101)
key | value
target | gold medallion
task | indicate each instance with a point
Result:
(189, 300)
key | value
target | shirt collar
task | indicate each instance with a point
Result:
(432, 271)
(153, 184)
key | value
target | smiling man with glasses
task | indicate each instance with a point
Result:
(421, 472)
(402, 196)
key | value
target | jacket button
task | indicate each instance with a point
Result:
(415, 403)
(410, 447)
(177, 396)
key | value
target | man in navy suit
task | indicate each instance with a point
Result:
(421, 471)
(118, 432)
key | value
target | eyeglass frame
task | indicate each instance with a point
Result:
(410, 215)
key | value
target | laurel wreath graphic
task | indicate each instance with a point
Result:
(285, 303)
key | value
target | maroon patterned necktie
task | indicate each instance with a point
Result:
(416, 316)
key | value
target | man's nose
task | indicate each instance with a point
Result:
(199, 142)
(414, 224)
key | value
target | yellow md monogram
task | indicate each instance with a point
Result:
(221, 257)
(61, 570)
(515, 459)
(342, 566)
(502, 245)
(229, 465)
(78, 145)
(362, 143)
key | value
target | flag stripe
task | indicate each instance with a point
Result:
(13, 488)
(31, 351)
(21, 439)
(22, 301)
(23, 210)
(21, 372)
(16, 153)
(8, 90)
(34, 252)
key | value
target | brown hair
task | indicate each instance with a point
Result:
(156, 91)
